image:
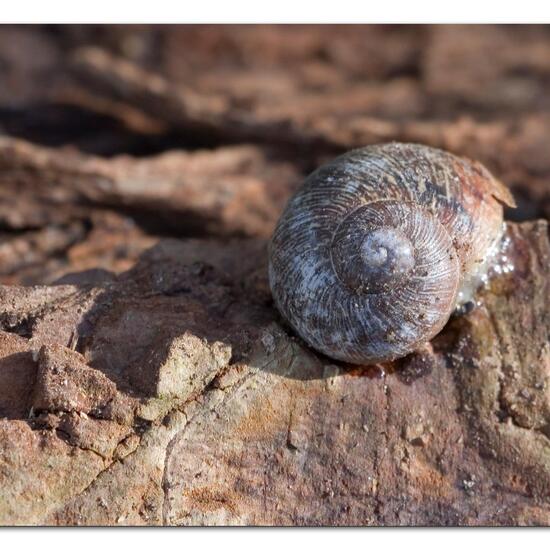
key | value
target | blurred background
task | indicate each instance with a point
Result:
(112, 137)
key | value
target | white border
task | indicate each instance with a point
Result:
(274, 11)
(267, 539)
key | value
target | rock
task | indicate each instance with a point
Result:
(39, 472)
(218, 416)
(17, 375)
(234, 190)
(65, 383)
(186, 367)
(100, 436)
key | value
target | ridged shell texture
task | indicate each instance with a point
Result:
(368, 258)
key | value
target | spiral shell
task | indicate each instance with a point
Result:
(376, 249)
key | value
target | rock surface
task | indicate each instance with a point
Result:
(145, 376)
(172, 394)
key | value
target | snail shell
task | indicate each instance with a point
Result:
(377, 248)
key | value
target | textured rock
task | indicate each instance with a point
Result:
(216, 415)
(186, 366)
(231, 190)
(17, 375)
(66, 212)
(290, 96)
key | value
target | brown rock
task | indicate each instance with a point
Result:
(65, 383)
(186, 366)
(233, 190)
(100, 436)
(39, 472)
(279, 435)
(17, 375)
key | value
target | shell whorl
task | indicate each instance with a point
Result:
(368, 258)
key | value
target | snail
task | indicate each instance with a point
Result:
(378, 247)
